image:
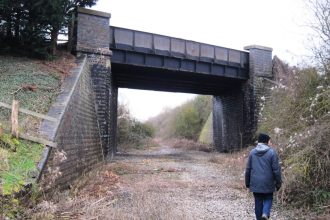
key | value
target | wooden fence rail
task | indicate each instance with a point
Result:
(26, 111)
(14, 123)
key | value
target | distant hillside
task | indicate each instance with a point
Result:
(185, 121)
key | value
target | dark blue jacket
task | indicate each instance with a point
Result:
(263, 172)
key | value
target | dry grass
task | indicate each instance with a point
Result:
(96, 187)
(122, 168)
(139, 206)
(145, 143)
(143, 201)
(62, 64)
(100, 195)
(190, 145)
(231, 160)
(97, 183)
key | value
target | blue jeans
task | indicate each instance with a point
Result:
(263, 204)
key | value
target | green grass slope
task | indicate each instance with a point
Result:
(35, 84)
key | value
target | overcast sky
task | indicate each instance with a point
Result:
(280, 24)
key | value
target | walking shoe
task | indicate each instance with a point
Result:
(264, 217)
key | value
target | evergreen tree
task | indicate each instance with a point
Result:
(55, 15)
(31, 22)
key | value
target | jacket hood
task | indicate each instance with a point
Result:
(261, 149)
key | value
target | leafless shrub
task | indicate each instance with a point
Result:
(298, 120)
(320, 24)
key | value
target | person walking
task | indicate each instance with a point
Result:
(263, 176)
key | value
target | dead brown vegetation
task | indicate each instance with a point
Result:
(190, 145)
(62, 64)
(297, 118)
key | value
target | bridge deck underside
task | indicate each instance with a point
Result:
(139, 77)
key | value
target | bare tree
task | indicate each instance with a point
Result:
(321, 26)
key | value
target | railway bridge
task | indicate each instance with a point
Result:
(114, 57)
(149, 61)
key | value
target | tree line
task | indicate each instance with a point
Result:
(33, 26)
(320, 40)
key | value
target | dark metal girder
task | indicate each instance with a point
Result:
(134, 70)
(226, 69)
(119, 80)
(171, 78)
(139, 77)
(170, 81)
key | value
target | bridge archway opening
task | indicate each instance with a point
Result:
(147, 111)
(227, 93)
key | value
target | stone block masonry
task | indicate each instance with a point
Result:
(77, 133)
(93, 30)
(93, 39)
(260, 66)
(87, 108)
(260, 60)
(228, 121)
(235, 113)
(105, 101)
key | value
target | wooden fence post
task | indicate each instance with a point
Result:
(14, 118)
(14, 122)
(1, 130)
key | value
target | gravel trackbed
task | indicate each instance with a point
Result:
(162, 183)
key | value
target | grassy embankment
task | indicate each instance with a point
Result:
(297, 116)
(35, 84)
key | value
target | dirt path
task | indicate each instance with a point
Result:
(163, 183)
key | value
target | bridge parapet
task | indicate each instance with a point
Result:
(92, 35)
(133, 40)
(260, 60)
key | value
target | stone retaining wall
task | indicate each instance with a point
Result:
(77, 133)
(228, 121)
